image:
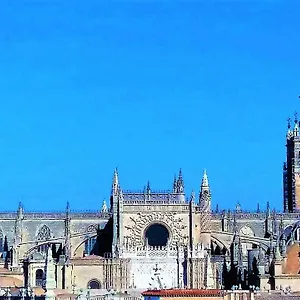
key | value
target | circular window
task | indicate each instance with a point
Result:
(157, 235)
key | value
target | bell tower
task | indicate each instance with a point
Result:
(291, 168)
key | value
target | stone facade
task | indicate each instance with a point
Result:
(158, 239)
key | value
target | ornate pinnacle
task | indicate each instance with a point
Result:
(192, 197)
(148, 189)
(180, 183)
(289, 123)
(204, 180)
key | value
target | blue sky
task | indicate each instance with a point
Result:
(148, 87)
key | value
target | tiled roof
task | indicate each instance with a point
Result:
(8, 281)
(277, 296)
(184, 293)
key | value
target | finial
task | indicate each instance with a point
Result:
(148, 189)
(104, 207)
(296, 117)
(238, 207)
(180, 183)
(180, 174)
(268, 209)
(115, 184)
(20, 210)
(217, 208)
(289, 123)
(258, 208)
(174, 184)
(193, 197)
(68, 206)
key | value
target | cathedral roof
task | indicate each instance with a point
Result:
(184, 293)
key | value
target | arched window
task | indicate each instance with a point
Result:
(43, 248)
(89, 245)
(44, 233)
(39, 276)
(94, 284)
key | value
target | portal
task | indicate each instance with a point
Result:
(157, 235)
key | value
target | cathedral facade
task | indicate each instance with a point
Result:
(159, 239)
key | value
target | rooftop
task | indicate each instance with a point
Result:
(184, 293)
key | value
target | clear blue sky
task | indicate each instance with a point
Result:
(148, 87)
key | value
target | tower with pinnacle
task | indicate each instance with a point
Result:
(291, 168)
(205, 211)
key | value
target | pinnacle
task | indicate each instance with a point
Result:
(204, 179)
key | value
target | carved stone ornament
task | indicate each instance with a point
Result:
(247, 231)
(142, 221)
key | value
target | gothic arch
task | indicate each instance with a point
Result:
(219, 243)
(82, 242)
(43, 234)
(159, 223)
(39, 277)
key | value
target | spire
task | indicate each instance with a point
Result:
(104, 208)
(180, 183)
(258, 208)
(296, 126)
(192, 200)
(204, 183)
(50, 282)
(289, 133)
(115, 185)
(20, 211)
(205, 196)
(148, 188)
(174, 184)
(68, 209)
(217, 208)
(268, 211)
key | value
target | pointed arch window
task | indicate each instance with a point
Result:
(39, 276)
(44, 233)
(89, 245)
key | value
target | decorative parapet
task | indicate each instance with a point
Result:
(56, 215)
(178, 252)
(150, 251)
(152, 197)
